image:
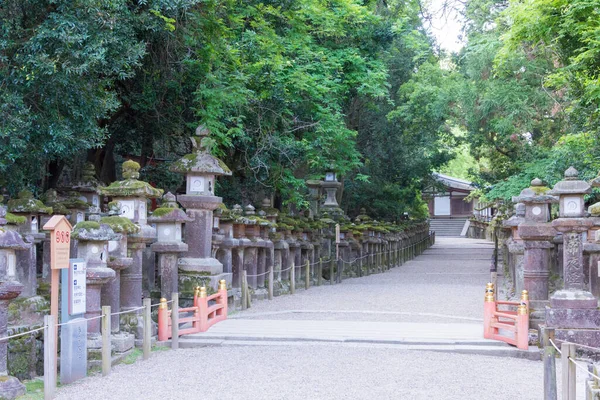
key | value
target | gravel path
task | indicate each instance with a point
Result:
(315, 372)
(448, 280)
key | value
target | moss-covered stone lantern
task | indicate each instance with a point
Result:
(33, 210)
(10, 241)
(132, 196)
(168, 219)
(93, 238)
(198, 267)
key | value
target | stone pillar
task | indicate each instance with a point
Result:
(198, 267)
(117, 261)
(574, 310)
(131, 196)
(10, 288)
(314, 195)
(168, 219)
(92, 246)
(515, 247)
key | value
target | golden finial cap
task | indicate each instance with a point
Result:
(222, 284)
(203, 292)
(524, 295)
(489, 292)
(522, 309)
(163, 303)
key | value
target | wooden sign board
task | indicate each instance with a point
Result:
(60, 241)
(337, 233)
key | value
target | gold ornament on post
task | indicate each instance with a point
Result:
(203, 292)
(222, 284)
(489, 292)
(163, 303)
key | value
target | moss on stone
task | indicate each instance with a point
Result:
(539, 190)
(162, 211)
(13, 219)
(86, 225)
(120, 224)
(27, 204)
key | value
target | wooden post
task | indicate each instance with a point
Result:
(320, 273)
(340, 266)
(49, 356)
(106, 344)
(271, 277)
(307, 276)
(293, 279)
(569, 372)
(147, 340)
(175, 321)
(244, 290)
(549, 365)
(248, 293)
(331, 270)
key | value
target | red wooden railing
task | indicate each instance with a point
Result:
(206, 311)
(509, 325)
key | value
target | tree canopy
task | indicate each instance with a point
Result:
(292, 89)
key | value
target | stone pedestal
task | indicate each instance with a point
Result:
(92, 246)
(117, 261)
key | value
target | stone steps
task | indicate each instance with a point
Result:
(447, 226)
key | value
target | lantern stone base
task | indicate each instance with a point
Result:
(578, 299)
(189, 280)
(11, 388)
(573, 318)
(122, 342)
(203, 266)
(537, 312)
(586, 337)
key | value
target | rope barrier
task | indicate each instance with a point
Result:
(133, 310)
(578, 365)
(257, 275)
(582, 346)
(557, 349)
(22, 334)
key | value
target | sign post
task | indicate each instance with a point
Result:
(60, 248)
(73, 343)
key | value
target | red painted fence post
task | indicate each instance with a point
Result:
(163, 321)
(203, 309)
(523, 322)
(223, 296)
(489, 307)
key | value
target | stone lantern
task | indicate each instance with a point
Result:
(33, 210)
(198, 267)
(331, 186)
(93, 238)
(168, 219)
(132, 196)
(537, 234)
(88, 186)
(574, 310)
(571, 223)
(10, 241)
